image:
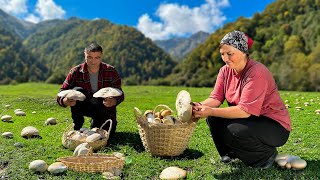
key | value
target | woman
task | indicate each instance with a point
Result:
(256, 121)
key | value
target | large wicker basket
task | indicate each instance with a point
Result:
(163, 139)
(71, 144)
(93, 162)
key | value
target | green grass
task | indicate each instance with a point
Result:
(201, 159)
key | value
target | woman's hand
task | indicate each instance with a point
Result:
(109, 102)
(201, 111)
(69, 102)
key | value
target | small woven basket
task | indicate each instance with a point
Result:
(92, 162)
(163, 139)
(71, 144)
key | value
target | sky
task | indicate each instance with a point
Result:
(156, 19)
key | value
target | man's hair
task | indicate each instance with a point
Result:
(93, 47)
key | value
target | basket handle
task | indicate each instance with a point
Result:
(69, 127)
(137, 113)
(163, 106)
(109, 120)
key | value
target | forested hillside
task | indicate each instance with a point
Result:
(287, 40)
(52, 47)
(286, 35)
(17, 64)
(135, 57)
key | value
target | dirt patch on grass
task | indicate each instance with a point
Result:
(3, 166)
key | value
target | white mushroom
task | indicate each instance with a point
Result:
(17, 110)
(173, 173)
(183, 107)
(8, 135)
(93, 137)
(38, 166)
(298, 164)
(84, 151)
(108, 92)
(72, 94)
(20, 113)
(6, 118)
(57, 168)
(29, 132)
(51, 121)
(80, 146)
(149, 115)
(282, 162)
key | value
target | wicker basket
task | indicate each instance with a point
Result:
(162, 139)
(71, 144)
(92, 162)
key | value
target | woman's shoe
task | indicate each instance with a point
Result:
(269, 162)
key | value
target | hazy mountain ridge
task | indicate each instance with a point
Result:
(179, 47)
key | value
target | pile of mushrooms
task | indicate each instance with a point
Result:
(290, 162)
(163, 116)
(87, 135)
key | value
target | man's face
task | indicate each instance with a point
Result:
(93, 59)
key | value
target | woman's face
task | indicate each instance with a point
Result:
(233, 57)
(93, 59)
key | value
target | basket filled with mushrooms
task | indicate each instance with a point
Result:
(164, 132)
(95, 137)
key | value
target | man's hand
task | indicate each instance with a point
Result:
(109, 102)
(69, 102)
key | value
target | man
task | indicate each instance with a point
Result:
(88, 78)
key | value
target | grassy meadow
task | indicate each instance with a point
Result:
(200, 159)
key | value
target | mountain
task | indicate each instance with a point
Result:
(20, 28)
(178, 48)
(17, 63)
(61, 46)
(286, 39)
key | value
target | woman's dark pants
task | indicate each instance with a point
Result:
(253, 140)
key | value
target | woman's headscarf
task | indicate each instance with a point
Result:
(238, 40)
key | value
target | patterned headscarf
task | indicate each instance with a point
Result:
(238, 40)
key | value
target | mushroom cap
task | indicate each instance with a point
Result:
(298, 164)
(147, 112)
(6, 118)
(38, 165)
(108, 92)
(29, 131)
(183, 107)
(173, 172)
(281, 156)
(282, 162)
(165, 112)
(72, 94)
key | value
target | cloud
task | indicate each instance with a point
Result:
(14, 7)
(47, 9)
(180, 20)
(32, 18)
(44, 10)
